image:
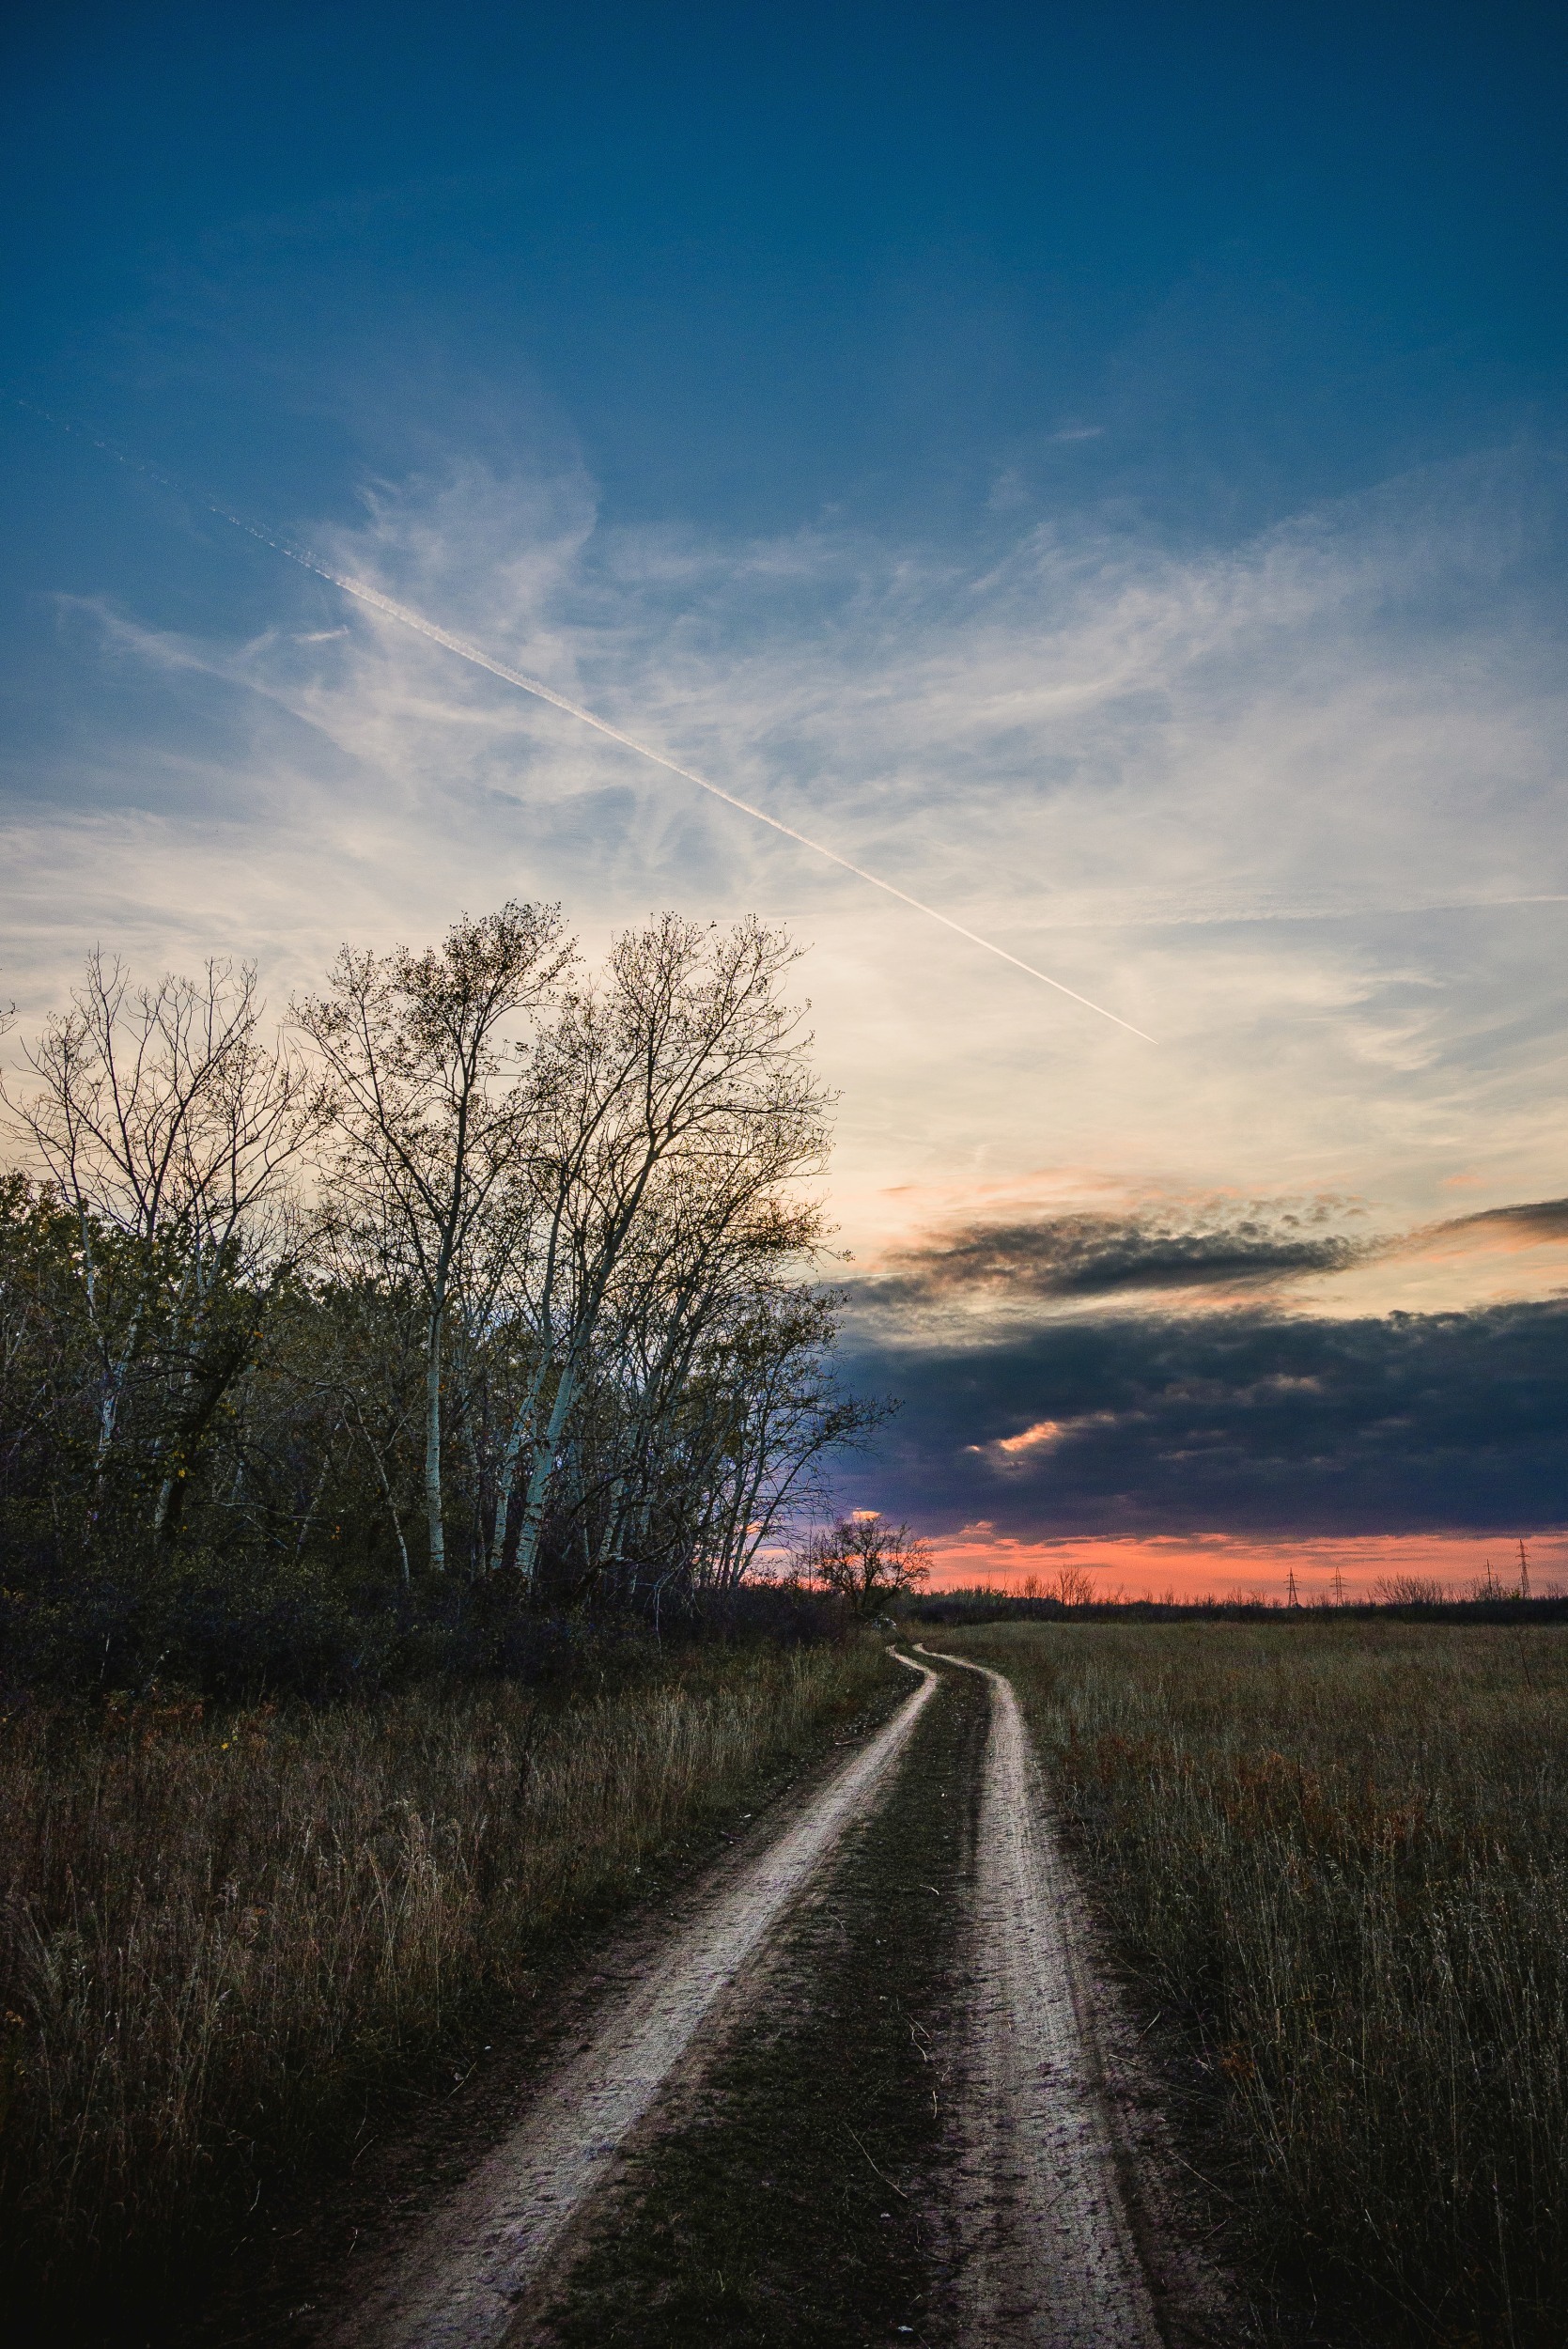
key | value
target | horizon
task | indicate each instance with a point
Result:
(1190, 1570)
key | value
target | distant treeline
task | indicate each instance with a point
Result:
(483, 1288)
(986, 1605)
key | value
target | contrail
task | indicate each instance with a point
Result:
(482, 659)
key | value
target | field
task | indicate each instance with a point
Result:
(1338, 1851)
(1330, 1852)
(222, 1932)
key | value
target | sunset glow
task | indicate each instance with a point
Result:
(1188, 1567)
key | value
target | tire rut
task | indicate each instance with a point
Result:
(1051, 2258)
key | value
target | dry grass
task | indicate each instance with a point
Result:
(216, 1932)
(1343, 1849)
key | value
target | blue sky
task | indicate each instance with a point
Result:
(752, 263)
(1104, 469)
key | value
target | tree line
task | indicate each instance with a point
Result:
(481, 1265)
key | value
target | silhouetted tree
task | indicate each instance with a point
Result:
(864, 1560)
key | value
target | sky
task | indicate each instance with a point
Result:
(1104, 471)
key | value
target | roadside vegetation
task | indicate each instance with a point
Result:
(223, 1931)
(1337, 1850)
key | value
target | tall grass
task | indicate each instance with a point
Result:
(1343, 1850)
(218, 1930)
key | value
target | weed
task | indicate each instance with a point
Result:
(220, 1928)
(1342, 1850)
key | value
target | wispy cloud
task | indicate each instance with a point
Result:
(1238, 794)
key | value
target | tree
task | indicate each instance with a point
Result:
(864, 1561)
(776, 1411)
(534, 1257)
(43, 1363)
(1072, 1586)
(426, 1108)
(680, 1080)
(169, 1126)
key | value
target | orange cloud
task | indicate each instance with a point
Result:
(1045, 1431)
(1041, 1437)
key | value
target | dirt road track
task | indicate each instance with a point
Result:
(460, 2285)
(1051, 2258)
(1047, 2254)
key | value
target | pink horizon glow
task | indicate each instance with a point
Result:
(1230, 1566)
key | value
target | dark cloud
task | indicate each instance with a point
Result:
(1239, 1421)
(1099, 1255)
(1543, 1219)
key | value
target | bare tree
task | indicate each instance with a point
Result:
(1072, 1586)
(785, 1413)
(1417, 1590)
(683, 1062)
(426, 1105)
(169, 1126)
(700, 1313)
(864, 1561)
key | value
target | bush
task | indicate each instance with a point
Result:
(242, 1626)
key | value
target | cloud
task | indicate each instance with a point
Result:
(1017, 1452)
(1539, 1219)
(1252, 1424)
(1087, 1256)
(1178, 1256)
(1045, 1431)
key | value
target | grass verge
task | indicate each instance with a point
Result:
(221, 1933)
(795, 2194)
(1341, 1852)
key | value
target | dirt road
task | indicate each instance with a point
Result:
(1026, 2242)
(464, 2279)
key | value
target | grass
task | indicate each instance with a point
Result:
(220, 1932)
(800, 2195)
(1341, 1850)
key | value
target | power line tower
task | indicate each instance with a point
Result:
(1524, 1572)
(1292, 1599)
(1339, 1584)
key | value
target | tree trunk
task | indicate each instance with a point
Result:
(507, 1478)
(538, 1481)
(432, 1446)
